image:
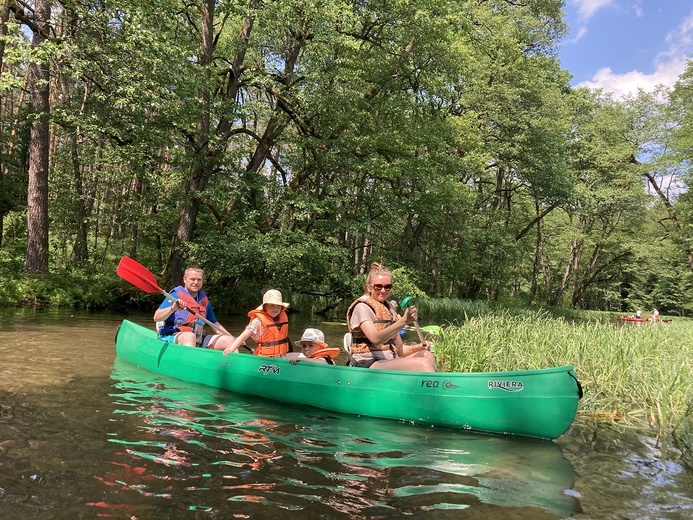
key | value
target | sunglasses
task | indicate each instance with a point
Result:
(380, 287)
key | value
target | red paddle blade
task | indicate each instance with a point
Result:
(138, 275)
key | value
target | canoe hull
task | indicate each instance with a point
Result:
(534, 403)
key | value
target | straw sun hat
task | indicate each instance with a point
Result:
(273, 296)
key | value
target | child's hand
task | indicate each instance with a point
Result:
(228, 350)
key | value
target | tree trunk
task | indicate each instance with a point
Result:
(138, 186)
(4, 205)
(4, 17)
(682, 237)
(536, 220)
(37, 197)
(575, 251)
(200, 157)
(80, 253)
(536, 263)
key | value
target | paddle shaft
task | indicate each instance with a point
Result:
(407, 303)
(214, 327)
(418, 331)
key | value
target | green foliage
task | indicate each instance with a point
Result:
(51, 290)
(296, 262)
(450, 311)
(406, 282)
(62, 288)
(682, 112)
(441, 138)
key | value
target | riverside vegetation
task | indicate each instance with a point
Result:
(292, 143)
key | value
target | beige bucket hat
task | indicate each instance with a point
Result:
(273, 296)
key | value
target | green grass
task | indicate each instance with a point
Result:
(634, 376)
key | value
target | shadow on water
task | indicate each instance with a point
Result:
(185, 449)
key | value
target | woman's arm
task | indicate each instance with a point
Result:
(407, 349)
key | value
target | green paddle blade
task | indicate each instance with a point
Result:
(406, 302)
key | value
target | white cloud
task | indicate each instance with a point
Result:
(620, 85)
(681, 38)
(639, 11)
(581, 32)
(668, 66)
(587, 8)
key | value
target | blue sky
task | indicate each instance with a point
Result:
(623, 45)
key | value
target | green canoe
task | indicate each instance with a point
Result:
(534, 403)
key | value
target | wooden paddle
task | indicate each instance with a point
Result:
(142, 278)
(406, 303)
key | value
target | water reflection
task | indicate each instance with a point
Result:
(183, 447)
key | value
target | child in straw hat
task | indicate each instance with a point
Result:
(269, 327)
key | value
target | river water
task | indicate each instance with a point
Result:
(86, 435)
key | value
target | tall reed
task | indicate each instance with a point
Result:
(633, 375)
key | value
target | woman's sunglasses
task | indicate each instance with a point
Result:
(380, 287)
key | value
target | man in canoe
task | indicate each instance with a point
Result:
(176, 321)
(374, 325)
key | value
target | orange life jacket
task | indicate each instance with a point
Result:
(328, 353)
(383, 318)
(275, 333)
(182, 320)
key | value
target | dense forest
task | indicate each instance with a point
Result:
(289, 144)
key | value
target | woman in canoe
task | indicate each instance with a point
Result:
(374, 325)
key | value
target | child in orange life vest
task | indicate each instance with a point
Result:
(314, 349)
(269, 327)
